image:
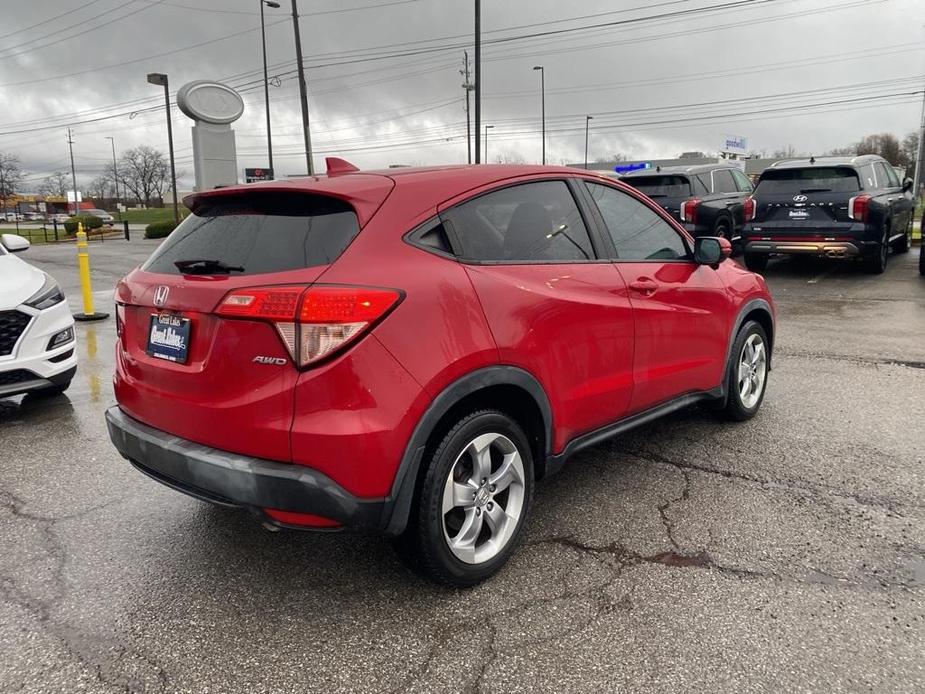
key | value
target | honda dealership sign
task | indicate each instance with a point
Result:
(735, 144)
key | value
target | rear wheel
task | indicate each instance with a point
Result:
(473, 501)
(723, 229)
(747, 372)
(756, 262)
(875, 263)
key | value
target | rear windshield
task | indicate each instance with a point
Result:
(267, 232)
(661, 186)
(810, 180)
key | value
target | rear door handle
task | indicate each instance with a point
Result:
(644, 285)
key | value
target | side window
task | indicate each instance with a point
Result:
(706, 182)
(867, 177)
(723, 182)
(534, 221)
(638, 233)
(883, 178)
(891, 176)
(698, 186)
(745, 186)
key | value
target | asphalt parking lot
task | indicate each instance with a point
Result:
(783, 554)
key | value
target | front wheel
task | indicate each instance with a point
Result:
(875, 264)
(756, 262)
(747, 372)
(902, 244)
(473, 501)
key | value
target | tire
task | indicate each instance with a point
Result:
(875, 264)
(902, 245)
(723, 229)
(756, 262)
(453, 539)
(747, 373)
(922, 258)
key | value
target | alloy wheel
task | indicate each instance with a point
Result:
(483, 498)
(753, 370)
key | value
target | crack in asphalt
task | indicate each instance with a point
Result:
(857, 359)
(663, 508)
(78, 644)
(801, 487)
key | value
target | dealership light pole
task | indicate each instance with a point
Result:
(160, 79)
(266, 83)
(919, 174)
(588, 120)
(115, 170)
(487, 128)
(303, 90)
(543, 105)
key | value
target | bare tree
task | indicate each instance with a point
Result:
(510, 157)
(11, 175)
(145, 172)
(101, 188)
(884, 144)
(57, 183)
(617, 157)
(788, 152)
(910, 150)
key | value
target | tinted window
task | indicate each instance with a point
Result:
(886, 177)
(706, 182)
(867, 177)
(745, 186)
(723, 182)
(266, 232)
(638, 233)
(661, 186)
(534, 221)
(821, 179)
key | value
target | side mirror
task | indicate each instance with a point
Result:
(907, 184)
(14, 243)
(711, 250)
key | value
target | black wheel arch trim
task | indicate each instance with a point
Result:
(750, 307)
(398, 507)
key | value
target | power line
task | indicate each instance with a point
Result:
(82, 6)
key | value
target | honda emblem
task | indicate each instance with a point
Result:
(160, 295)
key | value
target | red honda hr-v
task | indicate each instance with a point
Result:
(408, 351)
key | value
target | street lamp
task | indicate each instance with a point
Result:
(115, 173)
(543, 102)
(588, 120)
(487, 127)
(160, 79)
(266, 85)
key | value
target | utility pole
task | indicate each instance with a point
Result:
(468, 87)
(487, 128)
(543, 106)
(478, 75)
(303, 89)
(918, 173)
(70, 146)
(588, 120)
(115, 170)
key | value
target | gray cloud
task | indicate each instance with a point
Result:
(655, 88)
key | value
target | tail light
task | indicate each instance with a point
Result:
(749, 209)
(859, 207)
(312, 322)
(689, 210)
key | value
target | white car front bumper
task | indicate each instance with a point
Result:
(33, 364)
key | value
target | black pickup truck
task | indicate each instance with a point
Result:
(837, 207)
(707, 199)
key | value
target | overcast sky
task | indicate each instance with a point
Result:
(815, 74)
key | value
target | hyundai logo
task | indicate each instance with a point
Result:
(799, 198)
(160, 295)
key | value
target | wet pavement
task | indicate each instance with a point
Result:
(783, 554)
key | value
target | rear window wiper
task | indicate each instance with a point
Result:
(202, 266)
(815, 190)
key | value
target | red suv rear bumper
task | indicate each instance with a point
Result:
(230, 479)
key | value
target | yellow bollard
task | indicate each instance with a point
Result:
(86, 290)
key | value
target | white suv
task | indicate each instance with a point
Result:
(36, 327)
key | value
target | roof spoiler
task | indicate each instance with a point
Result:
(337, 166)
